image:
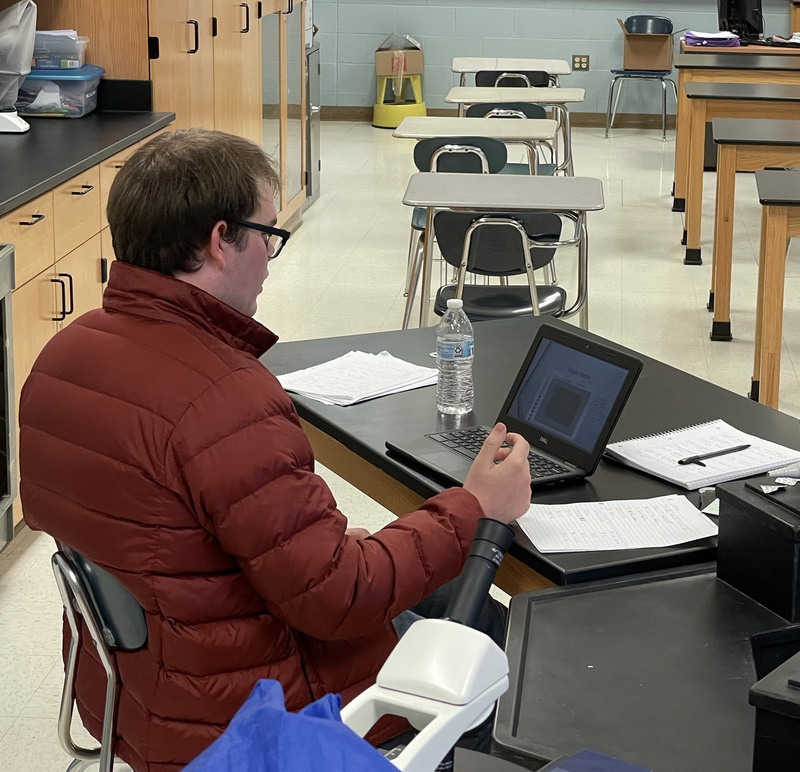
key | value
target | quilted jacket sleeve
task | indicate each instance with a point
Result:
(240, 460)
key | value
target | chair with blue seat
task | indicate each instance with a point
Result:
(517, 110)
(462, 155)
(498, 245)
(642, 25)
(115, 622)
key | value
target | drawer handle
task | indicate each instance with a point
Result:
(63, 312)
(83, 191)
(71, 294)
(34, 219)
(194, 49)
(246, 17)
(289, 9)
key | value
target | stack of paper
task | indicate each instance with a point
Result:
(357, 377)
(615, 525)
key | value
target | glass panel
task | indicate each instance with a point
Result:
(271, 91)
(294, 128)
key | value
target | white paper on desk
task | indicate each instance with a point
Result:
(356, 377)
(615, 525)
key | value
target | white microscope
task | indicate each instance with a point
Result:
(17, 35)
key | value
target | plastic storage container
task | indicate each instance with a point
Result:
(63, 93)
(58, 52)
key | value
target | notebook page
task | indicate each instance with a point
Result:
(615, 525)
(659, 454)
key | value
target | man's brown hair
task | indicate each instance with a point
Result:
(168, 196)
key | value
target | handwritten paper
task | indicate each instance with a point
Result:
(357, 377)
(615, 525)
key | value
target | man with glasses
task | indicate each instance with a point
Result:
(154, 442)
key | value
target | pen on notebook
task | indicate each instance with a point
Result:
(699, 459)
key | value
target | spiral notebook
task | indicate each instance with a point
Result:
(659, 454)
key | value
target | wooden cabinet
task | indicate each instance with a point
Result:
(76, 211)
(108, 171)
(237, 70)
(183, 73)
(80, 275)
(30, 230)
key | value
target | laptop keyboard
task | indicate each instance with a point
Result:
(469, 442)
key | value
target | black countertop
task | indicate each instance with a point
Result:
(56, 149)
(755, 131)
(737, 61)
(778, 187)
(761, 92)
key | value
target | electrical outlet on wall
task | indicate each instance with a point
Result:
(580, 62)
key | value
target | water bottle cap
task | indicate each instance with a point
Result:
(455, 303)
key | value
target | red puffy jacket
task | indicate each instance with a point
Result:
(154, 442)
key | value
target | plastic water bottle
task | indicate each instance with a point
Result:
(455, 341)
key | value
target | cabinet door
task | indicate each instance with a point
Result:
(108, 170)
(81, 272)
(33, 306)
(294, 181)
(237, 69)
(272, 138)
(183, 74)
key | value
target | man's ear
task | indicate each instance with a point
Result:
(216, 248)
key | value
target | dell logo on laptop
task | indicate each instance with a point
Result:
(543, 440)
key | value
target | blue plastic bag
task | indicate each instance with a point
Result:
(264, 737)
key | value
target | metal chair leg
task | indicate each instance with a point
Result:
(663, 110)
(616, 99)
(610, 100)
(414, 279)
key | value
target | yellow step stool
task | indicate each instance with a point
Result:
(387, 115)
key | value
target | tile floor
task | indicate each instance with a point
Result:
(343, 274)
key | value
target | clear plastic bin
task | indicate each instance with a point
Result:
(62, 93)
(58, 52)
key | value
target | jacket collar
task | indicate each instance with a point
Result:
(152, 295)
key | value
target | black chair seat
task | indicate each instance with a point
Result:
(484, 303)
(418, 218)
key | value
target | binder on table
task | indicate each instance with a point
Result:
(659, 454)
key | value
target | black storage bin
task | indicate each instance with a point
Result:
(777, 703)
(759, 536)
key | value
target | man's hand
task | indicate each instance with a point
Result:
(500, 477)
(358, 533)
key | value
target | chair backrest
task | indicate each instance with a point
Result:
(467, 155)
(506, 110)
(497, 248)
(515, 79)
(117, 613)
(648, 25)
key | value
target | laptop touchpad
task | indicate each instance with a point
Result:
(446, 460)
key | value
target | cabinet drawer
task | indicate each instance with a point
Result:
(80, 273)
(108, 170)
(76, 211)
(30, 230)
(107, 247)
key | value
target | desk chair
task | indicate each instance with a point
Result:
(114, 621)
(467, 155)
(527, 79)
(517, 110)
(643, 25)
(499, 245)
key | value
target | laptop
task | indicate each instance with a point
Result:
(565, 401)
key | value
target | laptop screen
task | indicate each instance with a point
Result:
(567, 393)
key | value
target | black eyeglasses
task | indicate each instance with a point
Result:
(274, 238)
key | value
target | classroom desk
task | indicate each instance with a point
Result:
(556, 99)
(720, 68)
(655, 670)
(779, 194)
(570, 197)
(742, 146)
(530, 132)
(351, 441)
(724, 100)
(472, 64)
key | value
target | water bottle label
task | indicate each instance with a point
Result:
(455, 349)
